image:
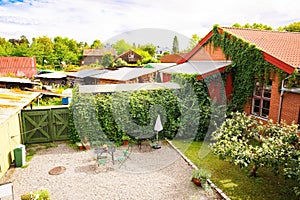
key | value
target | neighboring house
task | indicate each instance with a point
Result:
(130, 57)
(11, 104)
(172, 58)
(162, 50)
(126, 75)
(83, 77)
(18, 66)
(280, 51)
(94, 56)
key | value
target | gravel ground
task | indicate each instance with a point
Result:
(147, 174)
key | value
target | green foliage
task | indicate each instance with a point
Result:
(276, 146)
(121, 46)
(259, 26)
(175, 46)
(150, 48)
(202, 175)
(186, 113)
(293, 27)
(233, 181)
(36, 195)
(194, 40)
(120, 62)
(42, 49)
(48, 101)
(97, 44)
(147, 58)
(107, 60)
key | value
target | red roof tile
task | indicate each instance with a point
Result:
(19, 66)
(172, 58)
(284, 46)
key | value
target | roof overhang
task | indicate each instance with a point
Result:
(202, 68)
(109, 88)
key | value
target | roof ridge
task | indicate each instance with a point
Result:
(260, 30)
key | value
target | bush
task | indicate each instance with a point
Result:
(37, 195)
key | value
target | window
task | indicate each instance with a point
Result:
(261, 99)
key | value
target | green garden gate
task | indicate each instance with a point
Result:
(45, 125)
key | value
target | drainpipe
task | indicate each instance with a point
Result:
(280, 101)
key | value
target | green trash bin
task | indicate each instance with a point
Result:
(19, 153)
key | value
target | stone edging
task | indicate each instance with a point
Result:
(218, 190)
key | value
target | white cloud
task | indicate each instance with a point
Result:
(87, 20)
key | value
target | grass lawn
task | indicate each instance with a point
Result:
(234, 181)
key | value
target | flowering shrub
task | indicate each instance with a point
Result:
(244, 141)
(37, 195)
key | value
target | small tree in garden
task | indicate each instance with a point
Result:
(244, 141)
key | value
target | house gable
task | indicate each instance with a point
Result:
(130, 56)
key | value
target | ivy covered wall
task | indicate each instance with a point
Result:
(247, 63)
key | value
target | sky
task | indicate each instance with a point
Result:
(142, 20)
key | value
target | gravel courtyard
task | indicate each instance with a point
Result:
(147, 174)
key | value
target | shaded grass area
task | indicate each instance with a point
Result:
(234, 181)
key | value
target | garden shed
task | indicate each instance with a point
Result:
(11, 104)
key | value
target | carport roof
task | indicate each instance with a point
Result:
(12, 101)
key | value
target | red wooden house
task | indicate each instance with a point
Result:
(130, 57)
(272, 99)
(18, 66)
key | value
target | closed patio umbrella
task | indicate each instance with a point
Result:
(157, 127)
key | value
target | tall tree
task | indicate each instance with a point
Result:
(6, 47)
(107, 60)
(194, 40)
(175, 47)
(97, 44)
(42, 49)
(150, 48)
(121, 46)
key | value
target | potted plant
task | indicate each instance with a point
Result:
(80, 146)
(200, 176)
(125, 139)
(86, 143)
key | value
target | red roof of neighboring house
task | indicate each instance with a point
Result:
(172, 58)
(282, 49)
(19, 66)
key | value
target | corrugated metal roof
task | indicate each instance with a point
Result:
(19, 66)
(126, 87)
(53, 75)
(197, 67)
(12, 101)
(87, 72)
(160, 66)
(124, 74)
(17, 80)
